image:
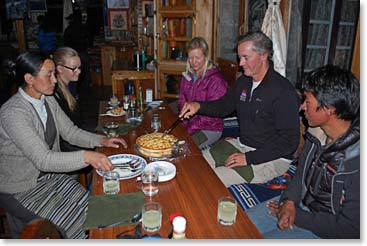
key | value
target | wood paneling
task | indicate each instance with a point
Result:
(204, 22)
(356, 58)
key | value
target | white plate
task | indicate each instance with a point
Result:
(109, 113)
(154, 104)
(123, 158)
(166, 170)
(113, 104)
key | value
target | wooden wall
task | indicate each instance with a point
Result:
(356, 58)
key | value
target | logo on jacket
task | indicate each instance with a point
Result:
(243, 95)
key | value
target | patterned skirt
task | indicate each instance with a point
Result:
(60, 199)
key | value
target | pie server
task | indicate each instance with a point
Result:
(172, 127)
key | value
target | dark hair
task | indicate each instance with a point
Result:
(261, 43)
(28, 62)
(334, 86)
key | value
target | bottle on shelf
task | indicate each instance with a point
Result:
(143, 59)
(140, 99)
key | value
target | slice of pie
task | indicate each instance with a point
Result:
(153, 145)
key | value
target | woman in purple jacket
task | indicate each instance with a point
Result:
(202, 81)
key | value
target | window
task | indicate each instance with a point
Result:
(329, 43)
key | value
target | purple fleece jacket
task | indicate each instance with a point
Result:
(208, 88)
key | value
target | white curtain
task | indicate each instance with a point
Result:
(67, 10)
(273, 27)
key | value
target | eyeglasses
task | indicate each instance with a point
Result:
(71, 68)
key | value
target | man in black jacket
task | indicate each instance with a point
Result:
(267, 108)
(323, 199)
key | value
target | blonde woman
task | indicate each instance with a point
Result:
(68, 69)
(202, 81)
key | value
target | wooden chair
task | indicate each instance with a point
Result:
(41, 229)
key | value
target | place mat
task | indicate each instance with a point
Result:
(220, 152)
(108, 209)
(124, 127)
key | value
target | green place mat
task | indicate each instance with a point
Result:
(108, 209)
(220, 152)
(199, 137)
(124, 128)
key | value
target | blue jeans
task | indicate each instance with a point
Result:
(267, 224)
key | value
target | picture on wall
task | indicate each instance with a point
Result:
(118, 20)
(15, 9)
(37, 5)
(118, 4)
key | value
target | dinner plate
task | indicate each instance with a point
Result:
(123, 158)
(166, 170)
(154, 104)
(109, 113)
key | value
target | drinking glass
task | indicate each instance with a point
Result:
(156, 122)
(150, 183)
(152, 216)
(111, 129)
(227, 210)
(114, 101)
(126, 102)
(111, 183)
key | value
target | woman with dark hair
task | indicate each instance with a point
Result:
(32, 166)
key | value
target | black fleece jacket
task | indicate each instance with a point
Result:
(268, 119)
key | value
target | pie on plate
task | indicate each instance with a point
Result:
(154, 145)
(117, 110)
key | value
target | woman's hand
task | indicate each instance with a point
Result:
(236, 159)
(98, 160)
(113, 142)
(189, 109)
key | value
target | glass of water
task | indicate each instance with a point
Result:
(111, 183)
(156, 122)
(227, 210)
(152, 216)
(111, 129)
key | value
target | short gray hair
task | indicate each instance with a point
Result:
(261, 42)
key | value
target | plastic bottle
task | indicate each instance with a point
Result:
(179, 228)
(143, 59)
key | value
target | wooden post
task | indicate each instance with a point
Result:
(19, 29)
(356, 51)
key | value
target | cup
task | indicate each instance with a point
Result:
(126, 102)
(156, 122)
(149, 182)
(114, 101)
(152, 216)
(111, 183)
(111, 129)
(227, 210)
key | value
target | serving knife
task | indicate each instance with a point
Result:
(173, 126)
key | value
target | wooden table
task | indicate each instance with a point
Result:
(194, 191)
(122, 72)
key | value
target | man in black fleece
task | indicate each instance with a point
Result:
(267, 108)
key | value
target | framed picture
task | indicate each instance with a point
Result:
(148, 10)
(118, 19)
(37, 5)
(118, 4)
(16, 9)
